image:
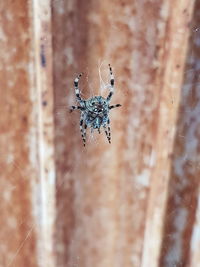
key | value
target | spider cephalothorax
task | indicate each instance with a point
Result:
(95, 110)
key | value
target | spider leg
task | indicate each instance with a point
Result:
(77, 90)
(107, 132)
(75, 107)
(99, 130)
(111, 84)
(115, 106)
(82, 131)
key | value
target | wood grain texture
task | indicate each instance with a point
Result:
(104, 188)
(109, 191)
(26, 142)
(134, 203)
(172, 62)
(18, 235)
(43, 78)
(181, 232)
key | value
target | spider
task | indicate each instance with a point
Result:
(95, 110)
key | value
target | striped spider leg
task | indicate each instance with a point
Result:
(78, 95)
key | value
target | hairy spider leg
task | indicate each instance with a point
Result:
(115, 106)
(107, 133)
(77, 90)
(111, 84)
(82, 131)
(75, 107)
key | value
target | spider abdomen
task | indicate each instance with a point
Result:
(95, 121)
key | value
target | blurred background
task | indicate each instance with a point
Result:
(134, 203)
